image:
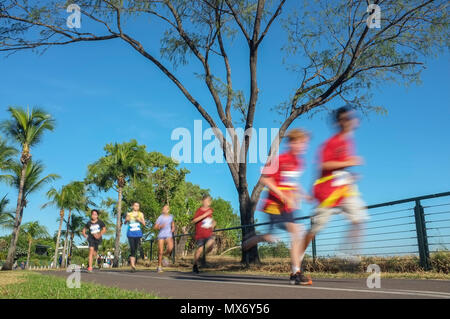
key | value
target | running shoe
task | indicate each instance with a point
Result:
(300, 279)
(159, 269)
(195, 269)
(165, 261)
(89, 269)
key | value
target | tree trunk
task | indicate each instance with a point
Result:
(63, 260)
(29, 253)
(181, 245)
(72, 235)
(118, 229)
(18, 220)
(58, 238)
(247, 210)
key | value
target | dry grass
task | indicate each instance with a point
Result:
(11, 277)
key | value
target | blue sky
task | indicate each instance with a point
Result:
(105, 92)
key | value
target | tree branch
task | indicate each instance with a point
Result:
(272, 19)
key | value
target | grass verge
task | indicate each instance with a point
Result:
(31, 285)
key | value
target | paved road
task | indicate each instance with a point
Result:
(183, 285)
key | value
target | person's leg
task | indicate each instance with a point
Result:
(198, 252)
(169, 243)
(210, 244)
(355, 210)
(94, 257)
(297, 233)
(305, 243)
(91, 255)
(256, 239)
(132, 242)
(160, 251)
(296, 236)
(319, 220)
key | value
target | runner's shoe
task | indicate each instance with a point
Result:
(195, 269)
(89, 269)
(165, 261)
(159, 269)
(300, 279)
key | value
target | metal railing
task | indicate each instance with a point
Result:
(408, 230)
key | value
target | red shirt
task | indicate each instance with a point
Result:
(338, 148)
(202, 227)
(285, 171)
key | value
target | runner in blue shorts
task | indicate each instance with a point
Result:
(166, 227)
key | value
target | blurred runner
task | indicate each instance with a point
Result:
(335, 190)
(204, 226)
(166, 227)
(281, 177)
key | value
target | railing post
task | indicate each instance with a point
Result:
(314, 253)
(151, 249)
(422, 239)
(173, 248)
(313, 244)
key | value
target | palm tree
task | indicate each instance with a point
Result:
(26, 128)
(30, 183)
(77, 201)
(61, 200)
(6, 153)
(6, 218)
(33, 230)
(123, 163)
(76, 226)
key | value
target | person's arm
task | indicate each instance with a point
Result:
(84, 233)
(304, 195)
(330, 154)
(103, 231)
(157, 225)
(269, 182)
(335, 165)
(127, 218)
(142, 220)
(173, 227)
(199, 218)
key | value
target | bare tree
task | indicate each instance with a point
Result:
(343, 58)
